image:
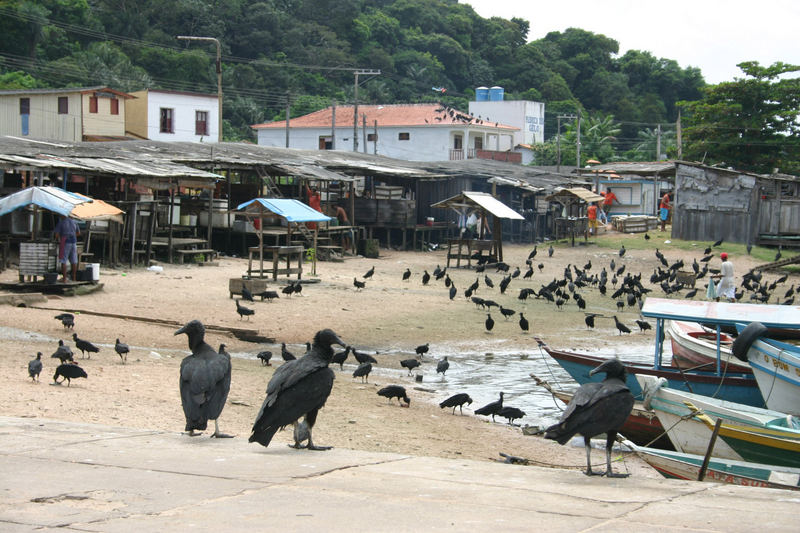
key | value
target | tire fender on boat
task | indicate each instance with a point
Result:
(746, 338)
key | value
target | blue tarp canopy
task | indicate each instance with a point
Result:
(291, 210)
(61, 202)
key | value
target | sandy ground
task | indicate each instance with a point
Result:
(388, 315)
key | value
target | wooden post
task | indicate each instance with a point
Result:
(314, 255)
(171, 210)
(702, 474)
(260, 241)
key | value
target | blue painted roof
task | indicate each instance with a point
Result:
(291, 210)
(723, 313)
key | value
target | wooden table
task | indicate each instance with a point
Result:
(459, 249)
(441, 229)
(184, 246)
(288, 253)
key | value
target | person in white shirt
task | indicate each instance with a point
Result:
(726, 287)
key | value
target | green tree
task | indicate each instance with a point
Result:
(750, 123)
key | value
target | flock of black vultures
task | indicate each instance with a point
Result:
(301, 386)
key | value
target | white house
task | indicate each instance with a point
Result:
(416, 132)
(161, 115)
(73, 114)
(527, 116)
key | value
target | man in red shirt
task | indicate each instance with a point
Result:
(314, 201)
(609, 198)
(591, 214)
(664, 208)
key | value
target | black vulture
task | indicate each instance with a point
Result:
(644, 325)
(426, 278)
(67, 320)
(442, 366)
(489, 322)
(363, 371)
(508, 313)
(456, 400)
(510, 413)
(340, 357)
(63, 352)
(395, 391)
(596, 407)
(288, 290)
(453, 291)
(363, 357)
(620, 326)
(246, 294)
(717, 243)
(589, 320)
(488, 281)
(265, 356)
(422, 349)
(406, 274)
(533, 252)
(297, 287)
(550, 251)
(491, 408)
(244, 311)
(122, 350)
(205, 381)
(35, 367)
(298, 388)
(84, 346)
(269, 295)
(523, 322)
(622, 251)
(68, 371)
(410, 364)
(516, 273)
(358, 284)
(369, 273)
(286, 354)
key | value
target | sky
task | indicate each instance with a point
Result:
(713, 35)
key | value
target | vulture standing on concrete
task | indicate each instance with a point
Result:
(205, 381)
(298, 388)
(596, 408)
(35, 367)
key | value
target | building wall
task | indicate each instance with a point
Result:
(184, 106)
(526, 115)
(136, 114)
(430, 143)
(103, 122)
(44, 121)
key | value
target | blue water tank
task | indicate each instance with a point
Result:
(482, 94)
(496, 94)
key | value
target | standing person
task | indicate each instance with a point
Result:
(591, 214)
(66, 233)
(608, 199)
(472, 226)
(726, 286)
(341, 218)
(664, 208)
(315, 202)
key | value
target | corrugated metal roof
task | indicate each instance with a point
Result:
(291, 210)
(480, 199)
(576, 192)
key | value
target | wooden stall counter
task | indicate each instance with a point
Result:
(277, 256)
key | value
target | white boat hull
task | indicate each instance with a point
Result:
(776, 367)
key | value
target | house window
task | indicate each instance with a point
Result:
(92, 104)
(114, 106)
(372, 137)
(63, 105)
(201, 122)
(457, 142)
(165, 124)
(24, 114)
(479, 143)
(403, 136)
(325, 143)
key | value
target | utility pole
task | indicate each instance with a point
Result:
(365, 72)
(364, 130)
(333, 125)
(578, 145)
(288, 112)
(658, 143)
(558, 140)
(679, 135)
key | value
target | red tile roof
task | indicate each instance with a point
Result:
(386, 116)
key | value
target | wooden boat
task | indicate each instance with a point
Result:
(689, 434)
(773, 444)
(642, 426)
(776, 366)
(741, 388)
(677, 465)
(695, 346)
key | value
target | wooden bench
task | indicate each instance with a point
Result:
(270, 257)
(208, 254)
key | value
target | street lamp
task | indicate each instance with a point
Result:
(219, 75)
